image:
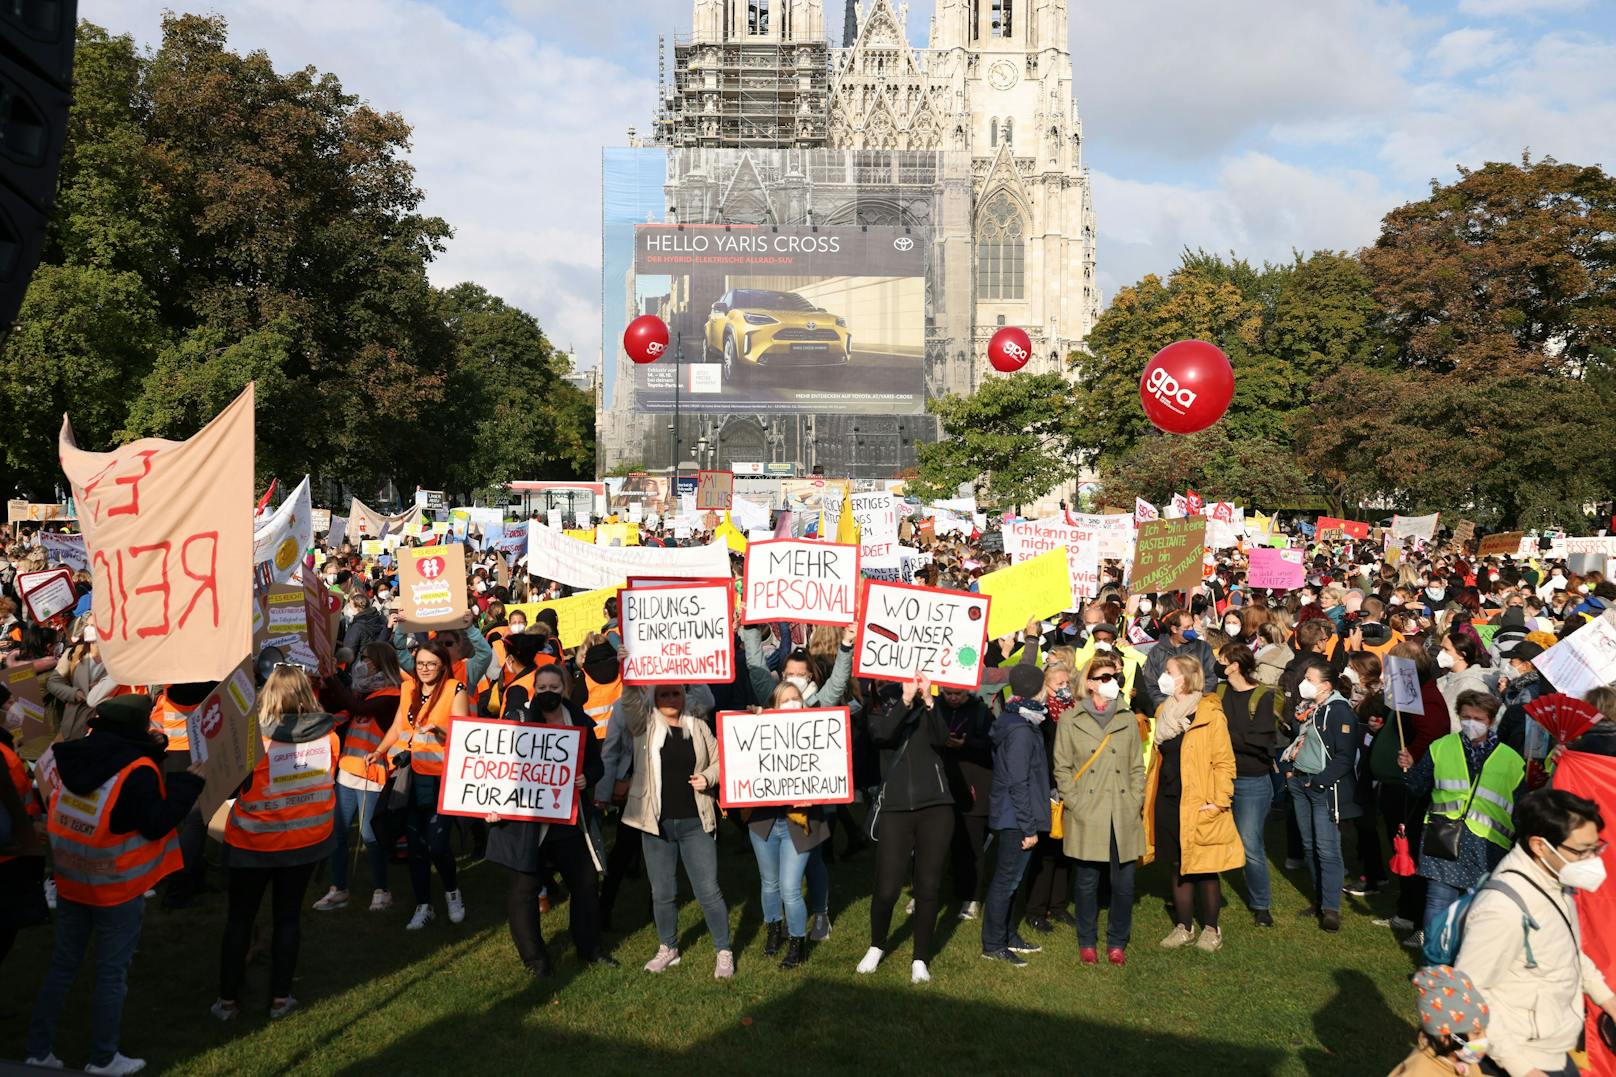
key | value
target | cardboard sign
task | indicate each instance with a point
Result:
(1034, 588)
(801, 580)
(27, 698)
(21, 512)
(1584, 660)
(576, 616)
(1503, 544)
(65, 550)
(715, 490)
(1277, 570)
(905, 630)
(431, 587)
(1402, 685)
(168, 528)
(45, 594)
(520, 770)
(784, 758)
(224, 737)
(1168, 555)
(1464, 532)
(1328, 527)
(678, 634)
(287, 624)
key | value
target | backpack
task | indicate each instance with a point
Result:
(1311, 755)
(1444, 932)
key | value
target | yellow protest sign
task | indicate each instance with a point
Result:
(1037, 587)
(576, 617)
(581, 535)
(616, 534)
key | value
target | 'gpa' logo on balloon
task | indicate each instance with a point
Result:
(1015, 351)
(655, 348)
(430, 568)
(1164, 387)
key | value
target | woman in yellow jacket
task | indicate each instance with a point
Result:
(1188, 793)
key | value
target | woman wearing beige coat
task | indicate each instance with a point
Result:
(672, 802)
(74, 682)
(1188, 795)
(1100, 776)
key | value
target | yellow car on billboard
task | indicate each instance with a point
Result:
(752, 328)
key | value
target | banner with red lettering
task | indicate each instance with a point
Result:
(168, 528)
(1594, 777)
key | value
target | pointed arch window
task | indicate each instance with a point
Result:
(1009, 126)
(1001, 251)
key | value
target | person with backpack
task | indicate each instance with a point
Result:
(1322, 783)
(1472, 779)
(1019, 811)
(1249, 708)
(1521, 941)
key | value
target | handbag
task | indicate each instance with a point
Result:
(1442, 834)
(1057, 807)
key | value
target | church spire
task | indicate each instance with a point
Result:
(850, 25)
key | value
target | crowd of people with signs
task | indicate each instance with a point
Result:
(1017, 713)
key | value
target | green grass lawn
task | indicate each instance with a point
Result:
(450, 999)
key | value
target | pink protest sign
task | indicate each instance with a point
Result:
(1278, 570)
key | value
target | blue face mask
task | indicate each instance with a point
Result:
(1190, 633)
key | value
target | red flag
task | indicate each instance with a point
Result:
(1594, 777)
(265, 499)
(1193, 505)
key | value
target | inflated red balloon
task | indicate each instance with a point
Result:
(1009, 349)
(1186, 387)
(646, 338)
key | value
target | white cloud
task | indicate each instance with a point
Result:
(1507, 8)
(1467, 49)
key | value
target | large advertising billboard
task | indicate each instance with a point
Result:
(767, 318)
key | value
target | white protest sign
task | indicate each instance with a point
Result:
(906, 630)
(678, 634)
(801, 580)
(1420, 527)
(553, 556)
(1027, 539)
(338, 533)
(519, 770)
(1402, 685)
(1112, 532)
(280, 538)
(45, 594)
(65, 550)
(750, 516)
(783, 758)
(553, 520)
(1584, 660)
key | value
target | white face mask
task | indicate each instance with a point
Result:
(1585, 875)
(1444, 659)
(1231, 628)
(1352, 675)
(801, 684)
(331, 579)
(1109, 690)
(791, 705)
(1394, 601)
(1144, 605)
(1474, 729)
(383, 594)
(1167, 684)
(1435, 592)
(1102, 645)
(1583, 588)
(1307, 690)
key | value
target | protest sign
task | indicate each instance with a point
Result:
(1502, 544)
(27, 699)
(1402, 685)
(338, 534)
(1168, 555)
(553, 556)
(617, 535)
(1113, 533)
(751, 516)
(65, 550)
(287, 624)
(783, 758)
(45, 594)
(678, 634)
(281, 538)
(320, 520)
(576, 616)
(224, 737)
(801, 580)
(1464, 532)
(905, 630)
(715, 490)
(1419, 527)
(1277, 570)
(519, 770)
(1026, 539)
(1584, 660)
(168, 529)
(21, 512)
(1037, 587)
(1144, 510)
(1330, 527)
(431, 587)
(363, 520)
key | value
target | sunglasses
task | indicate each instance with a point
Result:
(1104, 678)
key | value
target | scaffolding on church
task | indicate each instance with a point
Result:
(744, 93)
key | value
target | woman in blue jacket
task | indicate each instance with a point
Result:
(1018, 810)
(1323, 797)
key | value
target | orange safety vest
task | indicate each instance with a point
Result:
(91, 864)
(17, 772)
(598, 704)
(170, 718)
(496, 694)
(290, 800)
(428, 734)
(365, 736)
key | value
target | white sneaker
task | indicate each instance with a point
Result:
(457, 906)
(50, 899)
(381, 901)
(224, 1011)
(872, 958)
(969, 910)
(423, 916)
(666, 957)
(1396, 923)
(919, 973)
(909, 909)
(50, 1061)
(120, 1065)
(334, 899)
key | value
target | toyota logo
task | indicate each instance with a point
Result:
(903, 243)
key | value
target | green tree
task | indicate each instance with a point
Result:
(1251, 471)
(1012, 437)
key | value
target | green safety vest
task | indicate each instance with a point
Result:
(1488, 806)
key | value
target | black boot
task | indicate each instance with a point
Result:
(776, 935)
(796, 953)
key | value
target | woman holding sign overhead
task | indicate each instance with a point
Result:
(529, 849)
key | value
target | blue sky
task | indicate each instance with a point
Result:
(1259, 126)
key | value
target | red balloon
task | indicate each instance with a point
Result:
(1009, 349)
(646, 338)
(1186, 387)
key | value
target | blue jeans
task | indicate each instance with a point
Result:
(116, 931)
(685, 839)
(818, 880)
(1438, 896)
(360, 802)
(1119, 920)
(781, 868)
(1321, 842)
(1252, 799)
(1009, 865)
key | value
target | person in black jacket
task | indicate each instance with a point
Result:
(1322, 798)
(362, 622)
(529, 849)
(968, 762)
(914, 817)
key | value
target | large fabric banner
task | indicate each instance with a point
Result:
(285, 533)
(364, 520)
(168, 529)
(553, 556)
(1594, 777)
